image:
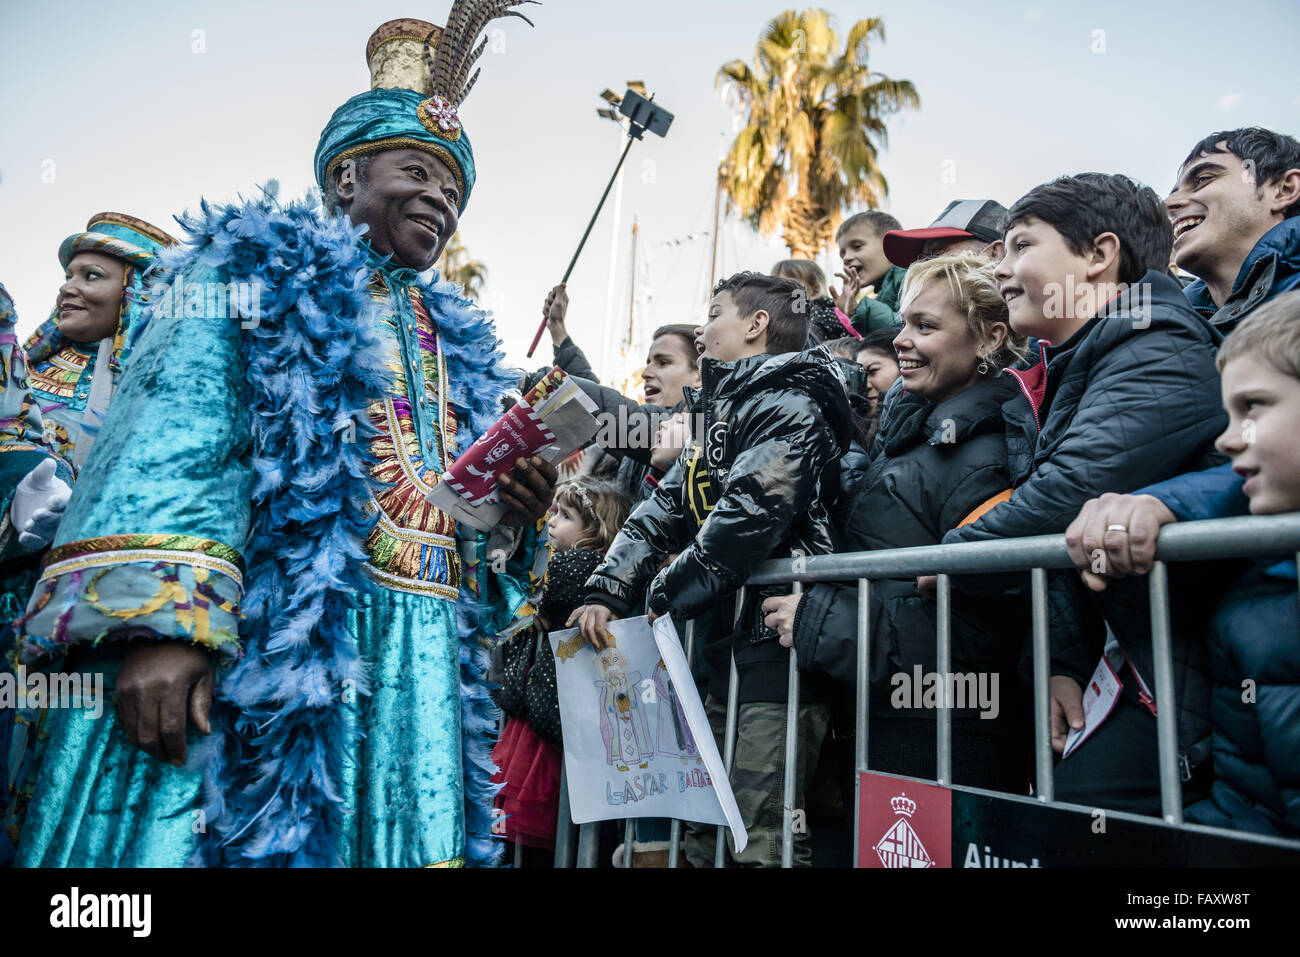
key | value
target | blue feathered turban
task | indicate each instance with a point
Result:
(387, 119)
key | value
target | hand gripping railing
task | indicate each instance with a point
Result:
(1249, 537)
(1226, 538)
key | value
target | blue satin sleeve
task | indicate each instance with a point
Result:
(153, 536)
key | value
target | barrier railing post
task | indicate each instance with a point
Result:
(943, 749)
(675, 826)
(790, 786)
(629, 837)
(863, 704)
(588, 845)
(565, 830)
(1043, 787)
(1171, 794)
(729, 743)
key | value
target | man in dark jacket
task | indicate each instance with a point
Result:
(1236, 215)
(773, 421)
(1125, 397)
(628, 429)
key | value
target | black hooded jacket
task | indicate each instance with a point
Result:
(937, 464)
(751, 487)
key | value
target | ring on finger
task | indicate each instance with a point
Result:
(1117, 528)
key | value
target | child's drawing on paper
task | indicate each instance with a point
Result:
(622, 719)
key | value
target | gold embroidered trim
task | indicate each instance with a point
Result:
(60, 360)
(130, 222)
(103, 560)
(434, 539)
(454, 862)
(403, 457)
(397, 143)
(411, 586)
(192, 611)
(154, 541)
(400, 545)
(60, 374)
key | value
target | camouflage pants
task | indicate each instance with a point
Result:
(758, 780)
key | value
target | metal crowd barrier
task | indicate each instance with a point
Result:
(1227, 538)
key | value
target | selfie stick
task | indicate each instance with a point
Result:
(642, 115)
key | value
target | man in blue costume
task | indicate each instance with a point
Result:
(260, 505)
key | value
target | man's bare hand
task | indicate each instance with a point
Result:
(778, 613)
(1115, 536)
(592, 621)
(527, 490)
(1067, 710)
(847, 297)
(554, 309)
(160, 682)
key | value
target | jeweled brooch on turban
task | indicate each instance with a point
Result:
(439, 117)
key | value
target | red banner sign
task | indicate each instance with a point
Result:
(903, 823)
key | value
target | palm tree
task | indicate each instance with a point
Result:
(455, 264)
(815, 121)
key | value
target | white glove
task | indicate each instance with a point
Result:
(37, 508)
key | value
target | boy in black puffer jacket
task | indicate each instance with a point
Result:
(753, 486)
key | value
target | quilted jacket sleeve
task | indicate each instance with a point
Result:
(1151, 405)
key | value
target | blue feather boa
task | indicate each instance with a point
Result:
(314, 363)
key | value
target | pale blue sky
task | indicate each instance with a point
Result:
(113, 102)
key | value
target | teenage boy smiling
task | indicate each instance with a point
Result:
(1236, 216)
(1124, 394)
